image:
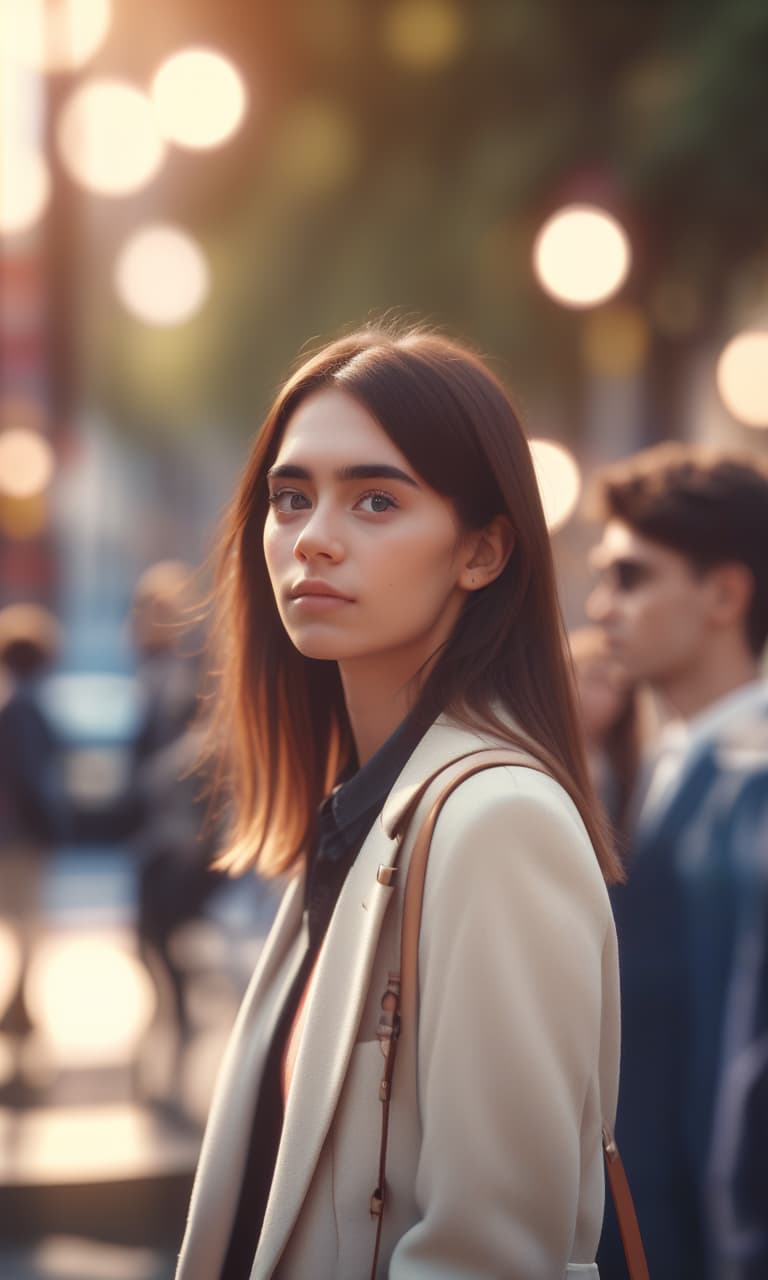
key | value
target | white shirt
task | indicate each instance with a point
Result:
(681, 743)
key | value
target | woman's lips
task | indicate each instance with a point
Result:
(317, 596)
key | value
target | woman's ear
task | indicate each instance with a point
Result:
(489, 550)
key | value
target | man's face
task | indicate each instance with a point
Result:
(652, 604)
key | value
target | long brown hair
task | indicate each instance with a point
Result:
(281, 730)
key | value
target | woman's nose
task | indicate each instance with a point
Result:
(319, 538)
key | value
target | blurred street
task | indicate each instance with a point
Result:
(101, 1107)
(194, 195)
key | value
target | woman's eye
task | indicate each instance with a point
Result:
(285, 500)
(376, 502)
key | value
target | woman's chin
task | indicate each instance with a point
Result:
(322, 648)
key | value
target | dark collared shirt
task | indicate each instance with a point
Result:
(346, 817)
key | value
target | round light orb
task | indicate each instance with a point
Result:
(25, 188)
(109, 139)
(424, 35)
(54, 35)
(742, 377)
(581, 256)
(199, 97)
(26, 463)
(559, 481)
(161, 275)
(90, 997)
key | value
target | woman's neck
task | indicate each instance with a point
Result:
(376, 707)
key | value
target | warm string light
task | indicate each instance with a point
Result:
(161, 275)
(742, 377)
(581, 256)
(559, 481)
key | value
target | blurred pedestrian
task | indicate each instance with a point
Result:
(35, 812)
(388, 607)
(174, 842)
(165, 631)
(613, 717)
(682, 598)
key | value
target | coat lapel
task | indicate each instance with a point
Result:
(333, 1012)
(222, 1158)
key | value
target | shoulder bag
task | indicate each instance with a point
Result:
(400, 1000)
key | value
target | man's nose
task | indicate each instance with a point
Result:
(599, 603)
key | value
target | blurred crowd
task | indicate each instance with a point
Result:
(675, 706)
(670, 680)
(159, 817)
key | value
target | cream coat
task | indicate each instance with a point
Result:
(495, 1163)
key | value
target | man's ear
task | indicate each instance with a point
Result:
(489, 550)
(733, 586)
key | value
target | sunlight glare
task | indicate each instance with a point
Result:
(25, 187)
(161, 275)
(581, 256)
(109, 139)
(26, 462)
(54, 35)
(199, 97)
(90, 996)
(742, 377)
(559, 481)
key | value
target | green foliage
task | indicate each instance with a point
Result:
(365, 183)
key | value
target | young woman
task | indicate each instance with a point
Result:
(388, 606)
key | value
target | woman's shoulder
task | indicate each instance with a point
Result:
(520, 825)
(521, 792)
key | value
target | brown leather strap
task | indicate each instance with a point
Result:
(626, 1217)
(408, 1010)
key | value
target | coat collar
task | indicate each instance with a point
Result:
(340, 987)
(446, 741)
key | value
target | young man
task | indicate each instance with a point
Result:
(682, 596)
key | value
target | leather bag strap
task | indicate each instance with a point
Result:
(407, 1008)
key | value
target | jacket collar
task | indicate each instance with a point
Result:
(447, 740)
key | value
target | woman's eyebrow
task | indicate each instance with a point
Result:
(361, 471)
(375, 471)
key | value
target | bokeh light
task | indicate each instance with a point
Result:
(742, 377)
(424, 35)
(318, 147)
(581, 256)
(90, 997)
(26, 462)
(161, 275)
(22, 518)
(199, 97)
(559, 480)
(25, 186)
(109, 139)
(54, 35)
(615, 341)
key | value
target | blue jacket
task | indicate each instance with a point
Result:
(692, 921)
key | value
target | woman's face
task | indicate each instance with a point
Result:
(365, 560)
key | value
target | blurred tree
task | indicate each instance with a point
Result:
(402, 153)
